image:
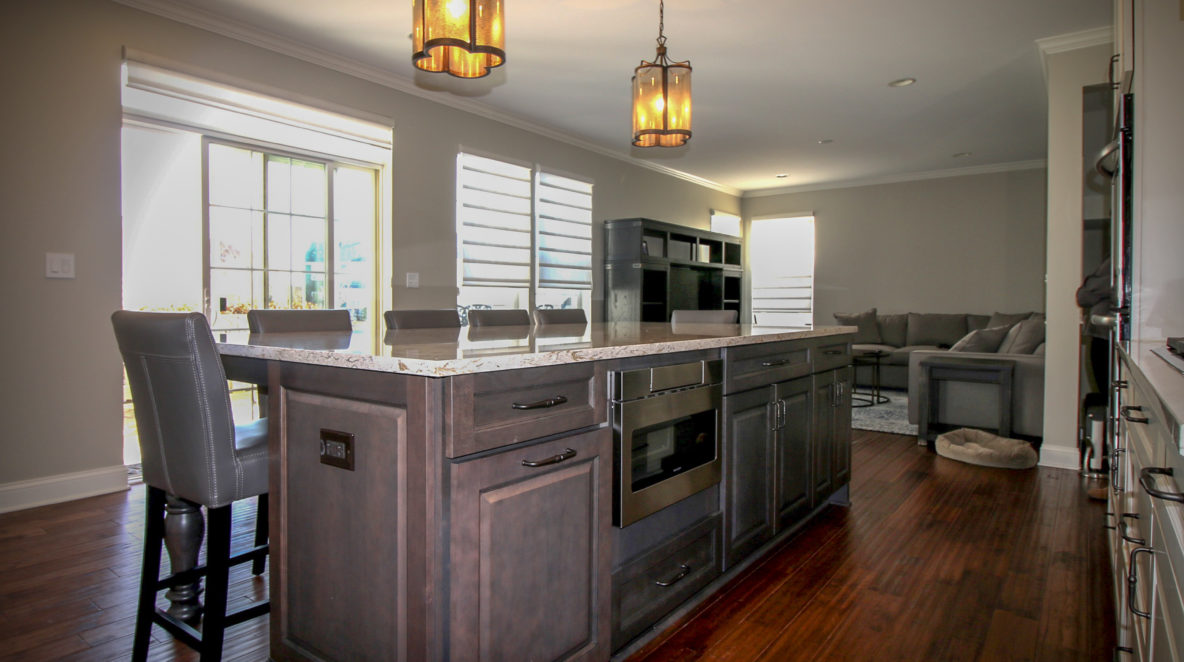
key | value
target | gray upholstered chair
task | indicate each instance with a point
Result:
(544, 316)
(288, 321)
(422, 319)
(193, 455)
(495, 317)
(704, 316)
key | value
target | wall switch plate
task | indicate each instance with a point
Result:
(59, 265)
(412, 279)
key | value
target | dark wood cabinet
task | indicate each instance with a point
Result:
(748, 471)
(792, 444)
(831, 432)
(652, 268)
(529, 554)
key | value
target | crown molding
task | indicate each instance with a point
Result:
(210, 22)
(1075, 40)
(904, 177)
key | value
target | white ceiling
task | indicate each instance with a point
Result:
(771, 77)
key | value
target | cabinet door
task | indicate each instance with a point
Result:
(823, 405)
(748, 472)
(792, 443)
(530, 556)
(841, 439)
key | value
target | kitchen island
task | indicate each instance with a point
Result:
(451, 495)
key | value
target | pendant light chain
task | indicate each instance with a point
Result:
(661, 22)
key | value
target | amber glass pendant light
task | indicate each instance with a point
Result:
(662, 97)
(464, 38)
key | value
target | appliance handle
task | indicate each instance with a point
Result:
(1103, 155)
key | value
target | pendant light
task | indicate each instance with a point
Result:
(464, 38)
(661, 97)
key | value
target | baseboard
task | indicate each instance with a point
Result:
(24, 494)
(1061, 457)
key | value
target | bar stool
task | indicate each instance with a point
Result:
(422, 319)
(704, 316)
(289, 321)
(499, 317)
(544, 316)
(193, 455)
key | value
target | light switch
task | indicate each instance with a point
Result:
(59, 265)
(412, 279)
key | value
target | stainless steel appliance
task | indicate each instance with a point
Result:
(667, 429)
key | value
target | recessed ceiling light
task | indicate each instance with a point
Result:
(782, 175)
(962, 155)
(825, 141)
(902, 82)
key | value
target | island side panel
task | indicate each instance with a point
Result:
(349, 547)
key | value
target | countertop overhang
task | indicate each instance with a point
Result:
(446, 352)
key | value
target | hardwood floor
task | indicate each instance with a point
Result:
(933, 560)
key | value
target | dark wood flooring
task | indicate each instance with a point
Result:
(934, 560)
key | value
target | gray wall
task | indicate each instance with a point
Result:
(60, 186)
(968, 244)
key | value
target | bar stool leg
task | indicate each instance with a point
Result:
(217, 577)
(183, 531)
(261, 524)
(149, 573)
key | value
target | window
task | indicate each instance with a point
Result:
(725, 223)
(781, 253)
(524, 237)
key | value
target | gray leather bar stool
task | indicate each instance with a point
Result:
(704, 316)
(544, 316)
(193, 455)
(499, 317)
(422, 319)
(289, 321)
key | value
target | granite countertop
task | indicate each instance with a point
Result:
(444, 352)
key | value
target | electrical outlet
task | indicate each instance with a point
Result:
(59, 265)
(337, 449)
(412, 279)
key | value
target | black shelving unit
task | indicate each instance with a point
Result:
(652, 268)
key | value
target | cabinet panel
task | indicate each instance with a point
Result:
(793, 452)
(530, 557)
(821, 477)
(753, 366)
(748, 472)
(842, 428)
(493, 409)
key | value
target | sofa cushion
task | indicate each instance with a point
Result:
(982, 340)
(976, 322)
(893, 329)
(868, 348)
(935, 329)
(1007, 319)
(869, 330)
(900, 355)
(1023, 338)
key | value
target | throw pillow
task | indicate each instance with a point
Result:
(983, 340)
(1023, 338)
(1007, 319)
(894, 329)
(936, 329)
(869, 331)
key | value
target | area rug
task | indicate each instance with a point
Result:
(892, 416)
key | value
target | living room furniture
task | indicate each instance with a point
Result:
(872, 397)
(703, 317)
(652, 268)
(545, 316)
(938, 407)
(498, 317)
(446, 318)
(1027, 391)
(194, 456)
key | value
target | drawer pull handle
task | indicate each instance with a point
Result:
(1122, 530)
(1126, 414)
(1147, 482)
(567, 454)
(1132, 581)
(541, 404)
(683, 571)
(1107, 526)
(832, 352)
(771, 364)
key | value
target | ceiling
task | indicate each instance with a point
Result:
(771, 77)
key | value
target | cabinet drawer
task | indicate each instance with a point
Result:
(493, 409)
(656, 583)
(829, 354)
(752, 366)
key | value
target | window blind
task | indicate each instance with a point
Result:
(782, 252)
(493, 222)
(563, 213)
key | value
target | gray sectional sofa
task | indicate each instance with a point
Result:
(908, 338)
